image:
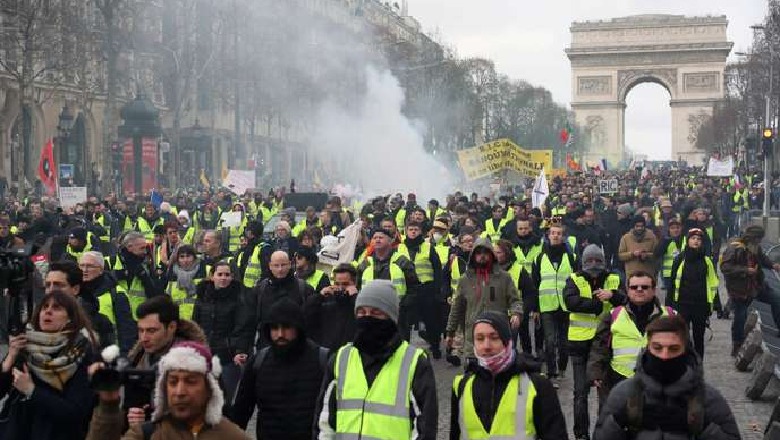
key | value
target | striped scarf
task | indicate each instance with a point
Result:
(52, 357)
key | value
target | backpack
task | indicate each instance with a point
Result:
(635, 410)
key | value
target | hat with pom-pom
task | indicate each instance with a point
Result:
(195, 357)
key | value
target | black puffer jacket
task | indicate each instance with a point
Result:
(219, 313)
(283, 384)
(487, 390)
(667, 409)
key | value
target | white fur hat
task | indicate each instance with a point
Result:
(190, 356)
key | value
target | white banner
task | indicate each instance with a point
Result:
(230, 219)
(238, 181)
(541, 190)
(70, 196)
(721, 168)
(340, 249)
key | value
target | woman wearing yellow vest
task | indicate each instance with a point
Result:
(184, 276)
(694, 287)
(502, 394)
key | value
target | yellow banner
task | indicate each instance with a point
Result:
(486, 159)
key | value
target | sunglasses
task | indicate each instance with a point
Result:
(640, 287)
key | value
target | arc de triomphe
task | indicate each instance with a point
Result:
(686, 55)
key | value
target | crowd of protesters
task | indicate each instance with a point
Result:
(225, 316)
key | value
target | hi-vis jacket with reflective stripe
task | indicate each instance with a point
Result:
(514, 415)
(627, 341)
(381, 411)
(552, 282)
(423, 265)
(582, 326)
(673, 249)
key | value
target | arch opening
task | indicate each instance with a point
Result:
(648, 121)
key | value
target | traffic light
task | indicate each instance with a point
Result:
(767, 140)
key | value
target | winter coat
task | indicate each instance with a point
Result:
(629, 244)
(49, 414)
(487, 391)
(424, 415)
(108, 421)
(734, 264)
(283, 387)
(667, 409)
(693, 282)
(498, 293)
(125, 326)
(219, 312)
(591, 306)
(330, 320)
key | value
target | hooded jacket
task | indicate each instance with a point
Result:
(667, 409)
(219, 313)
(284, 385)
(487, 391)
(265, 294)
(476, 294)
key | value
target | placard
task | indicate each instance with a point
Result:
(70, 196)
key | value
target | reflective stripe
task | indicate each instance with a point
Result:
(632, 351)
(588, 324)
(517, 399)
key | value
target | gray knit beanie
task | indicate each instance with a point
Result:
(592, 251)
(381, 295)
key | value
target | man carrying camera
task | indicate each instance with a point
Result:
(330, 316)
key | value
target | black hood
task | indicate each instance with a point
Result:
(285, 311)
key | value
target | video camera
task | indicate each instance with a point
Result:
(16, 271)
(138, 384)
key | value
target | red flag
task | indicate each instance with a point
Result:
(572, 164)
(46, 168)
(564, 135)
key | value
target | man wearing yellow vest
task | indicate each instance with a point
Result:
(552, 268)
(620, 335)
(111, 299)
(80, 240)
(427, 265)
(670, 247)
(494, 225)
(379, 387)
(527, 246)
(589, 294)
(132, 267)
(525, 405)
(306, 269)
(148, 221)
(386, 263)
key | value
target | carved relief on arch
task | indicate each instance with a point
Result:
(628, 78)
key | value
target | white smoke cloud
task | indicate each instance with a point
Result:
(376, 146)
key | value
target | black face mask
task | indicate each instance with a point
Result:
(665, 371)
(372, 334)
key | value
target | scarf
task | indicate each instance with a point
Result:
(52, 358)
(185, 277)
(483, 278)
(499, 362)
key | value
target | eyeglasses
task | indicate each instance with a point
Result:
(640, 287)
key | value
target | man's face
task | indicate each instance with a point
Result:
(555, 235)
(283, 334)
(91, 267)
(588, 217)
(418, 217)
(675, 230)
(701, 216)
(280, 264)
(413, 232)
(188, 395)
(666, 345)
(56, 280)
(373, 312)
(388, 225)
(36, 210)
(483, 256)
(210, 245)
(342, 280)
(172, 235)
(153, 335)
(380, 241)
(5, 230)
(466, 243)
(487, 341)
(148, 211)
(498, 213)
(523, 228)
(137, 247)
(640, 290)
(639, 228)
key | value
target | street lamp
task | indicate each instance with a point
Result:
(767, 130)
(63, 133)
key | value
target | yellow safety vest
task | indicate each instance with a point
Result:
(396, 274)
(189, 236)
(180, 297)
(712, 281)
(672, 250)
(422, 261)
(254, 269)
(315, 278)
(381, 411)
(87, 247)
(582, 326)
(513, 419)
(455, 274)
(552, 283)
(107, 227)
(527, 260)
(400, 217)
(627, 341)
(491, 231)
(136, 294)
(147, 229)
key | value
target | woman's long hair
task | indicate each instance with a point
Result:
(77, 318)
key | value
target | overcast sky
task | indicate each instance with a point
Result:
(526, 39)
